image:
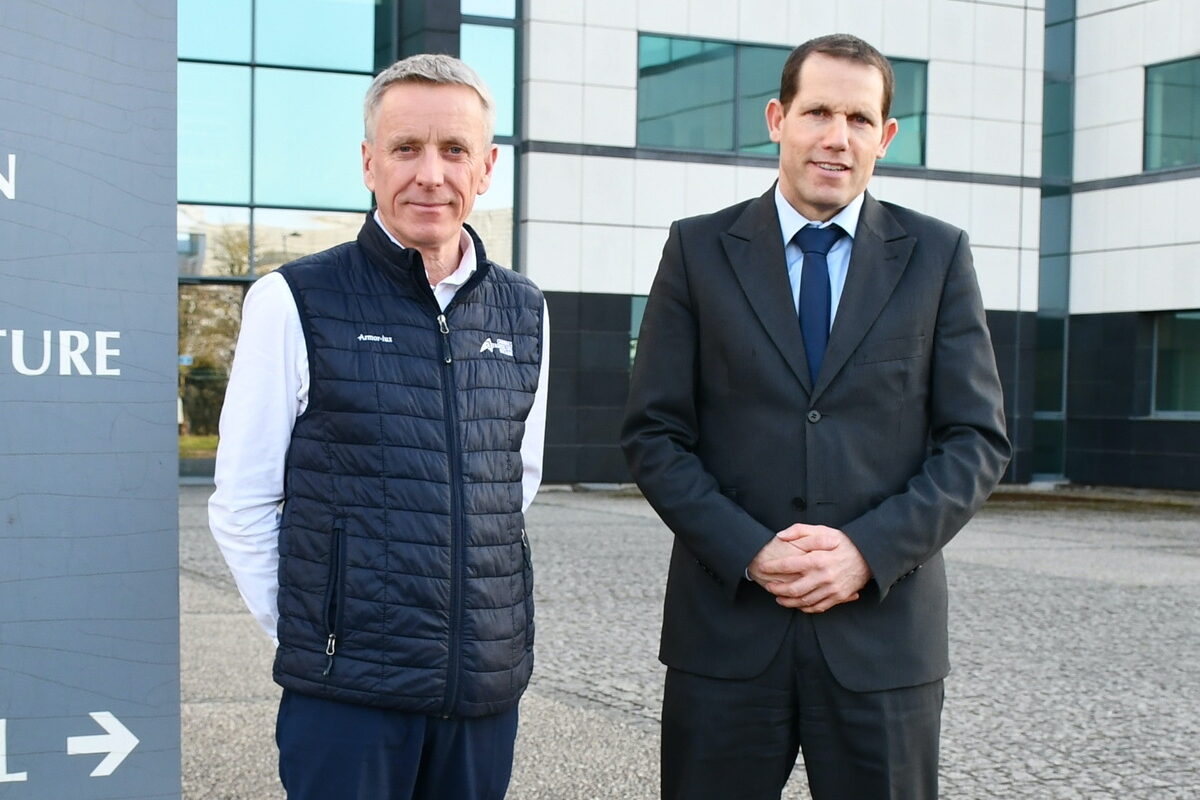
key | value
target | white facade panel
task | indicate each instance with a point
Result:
(607, 190)
(760, 21)
(610, 57)
(606, 259)
(554, 10)
(667, 16)
(712, 19)
(999, 38)
(660, 192)
(862, 18)
(806, 20)
(1145, 279)
(609, 116)
(552, 187)
(999, 274)
(905, 29)
(552, 255)
(553, 52)
(710, 187)
(753, 181)
(611, 13)
(555, 111)
(952, 31)
(998, 93)
(948, 142)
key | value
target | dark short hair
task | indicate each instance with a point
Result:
(836, 45)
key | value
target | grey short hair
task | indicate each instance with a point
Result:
(428, 68)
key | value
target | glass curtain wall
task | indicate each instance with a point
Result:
(1173, 114)
(1054, 257)
(269, 120)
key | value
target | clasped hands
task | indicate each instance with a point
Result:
(810, 567)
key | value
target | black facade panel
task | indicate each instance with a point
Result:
(1112, 439)
(1014, 342)
(589, 381)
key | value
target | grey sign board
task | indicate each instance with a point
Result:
(89, 610)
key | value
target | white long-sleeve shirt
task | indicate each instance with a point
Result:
(268, 389)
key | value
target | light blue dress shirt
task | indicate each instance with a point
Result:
(791, 220)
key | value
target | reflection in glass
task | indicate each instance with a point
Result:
(215, 30)
(213, 241)
(307, 132)
(330, 34)
(492, 216)
(214, 133)
(209, 318)
(908, 107)
(490, 52)
(283, 235)
(505, 9)
(685, 93)
(1173, 114)
(758, 82)
(1177, 362)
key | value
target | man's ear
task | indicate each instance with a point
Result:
(489, 167)
(889, 132)
(368, 177)
(775, 114)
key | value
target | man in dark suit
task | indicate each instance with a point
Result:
(812, 468)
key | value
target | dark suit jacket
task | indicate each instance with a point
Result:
(899, 442)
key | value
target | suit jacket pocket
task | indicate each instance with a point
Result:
(891, 350)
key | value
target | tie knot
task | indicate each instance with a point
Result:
(818, 240)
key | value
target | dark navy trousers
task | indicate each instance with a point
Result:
(339, 751)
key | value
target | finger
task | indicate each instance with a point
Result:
(795, 531)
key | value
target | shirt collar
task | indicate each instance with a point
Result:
(791, 220)
(466, 265)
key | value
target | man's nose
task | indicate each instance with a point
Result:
(429, 168)
(835, 137)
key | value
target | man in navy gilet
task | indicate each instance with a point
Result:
(380, 440)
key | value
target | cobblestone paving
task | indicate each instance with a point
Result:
(1075, 640)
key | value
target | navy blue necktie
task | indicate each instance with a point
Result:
(814, 292)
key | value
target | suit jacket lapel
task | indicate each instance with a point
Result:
(754, 246)
(879, 257)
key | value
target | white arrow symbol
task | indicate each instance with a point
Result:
(118, 743)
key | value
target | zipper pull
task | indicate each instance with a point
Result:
(445, 329)
(330, 647)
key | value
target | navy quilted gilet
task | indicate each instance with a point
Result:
(404, 574)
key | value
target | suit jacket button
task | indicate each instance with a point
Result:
(799, 504)
(814, 416)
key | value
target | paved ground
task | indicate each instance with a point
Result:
(1075, 628)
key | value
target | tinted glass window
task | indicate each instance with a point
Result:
(307, 132)
(1173, 114)
(908, 107)
(214, 133)
(330, 34)
(1177, 373)
(489, 50)
(703, 95)
(758, 82)
(685, 93)
(217, 30)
